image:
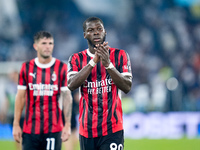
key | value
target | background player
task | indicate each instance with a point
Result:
(42, 87)
(101, 73)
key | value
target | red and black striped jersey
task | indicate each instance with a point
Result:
(43, 84)
(100, 109)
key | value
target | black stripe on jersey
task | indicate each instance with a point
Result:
(63, 75)
(42, 103)
(116, 58)
(100, 104)
(81, 60)
(83, 111)
(90, 109)
(110, 101)
(23, 74)
(34, 99)
(115, 113)
(50, 102)
(84, 108)
(28, 93)
(119, 68)
(121, 64)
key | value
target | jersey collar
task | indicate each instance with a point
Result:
(44, 65)
(89, 53)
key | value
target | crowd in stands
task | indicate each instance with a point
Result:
(161, 37)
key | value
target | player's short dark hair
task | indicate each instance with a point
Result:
(42, 34)
(89, 20)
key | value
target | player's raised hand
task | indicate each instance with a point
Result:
(17, 133)
(66, 132)
(103, 53)
(96, 56)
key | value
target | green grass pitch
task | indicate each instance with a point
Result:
(142, 144)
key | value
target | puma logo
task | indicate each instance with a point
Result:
(32, 74)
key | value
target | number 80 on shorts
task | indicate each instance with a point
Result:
(113, 146)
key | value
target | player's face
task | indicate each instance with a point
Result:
(44, 47)
(95, 32)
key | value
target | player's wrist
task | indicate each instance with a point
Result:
(92, 63)
(15, 123)
(110, 66)
(67, 125)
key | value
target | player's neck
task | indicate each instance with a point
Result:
(91, 49)
(44, 60)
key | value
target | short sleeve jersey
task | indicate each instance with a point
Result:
(43, 84)
(100, 109)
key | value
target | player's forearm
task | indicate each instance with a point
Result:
(19, 105)
(78, 79)
(67, 106)
(124, 83)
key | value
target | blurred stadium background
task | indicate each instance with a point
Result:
(162, 38)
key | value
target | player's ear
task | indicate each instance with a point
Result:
(35, 46)
(84, 35)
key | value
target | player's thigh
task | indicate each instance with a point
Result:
(86, 143)
(31, 141)
(113, 141)
(53, 141)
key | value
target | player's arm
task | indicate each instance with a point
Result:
(67, 110)
(19, 105)
(77, 79)
(123, 82)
